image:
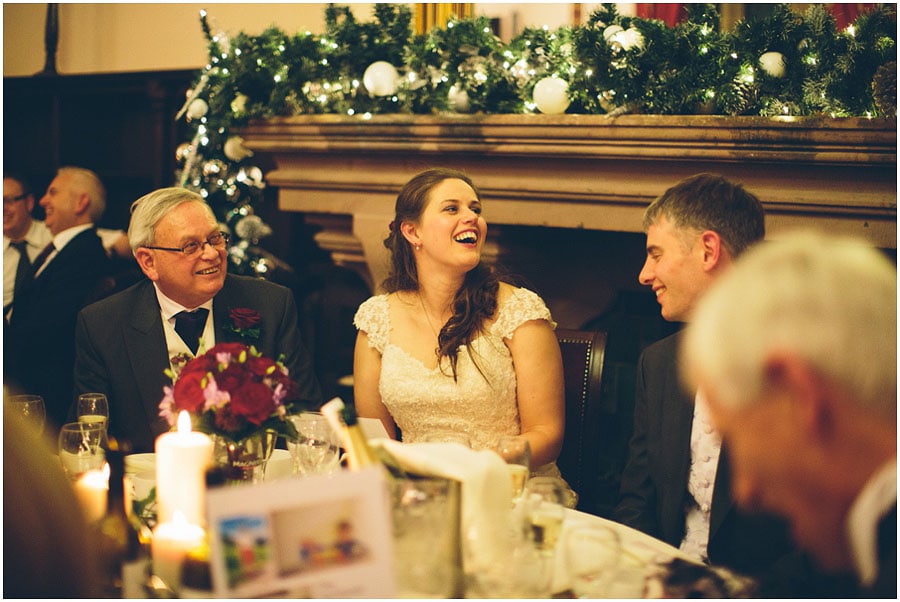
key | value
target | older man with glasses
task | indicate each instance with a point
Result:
(187, 302)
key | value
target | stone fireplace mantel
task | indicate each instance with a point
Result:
(585, 172)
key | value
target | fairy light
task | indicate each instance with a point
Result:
(851, 31)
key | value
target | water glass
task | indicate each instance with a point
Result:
(314, 451)
(31, 408)
(80, 448)
(516, 452)
(93, 408)
(426, 523)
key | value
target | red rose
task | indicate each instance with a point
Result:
(188, 391)
(226, 421)
(234, 349)
(242, 317)
(253, 401)
(231, 378)
(259, 366)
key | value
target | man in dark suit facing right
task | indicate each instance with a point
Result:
(675, 484)
(125, 343)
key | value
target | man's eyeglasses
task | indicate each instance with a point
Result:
(218, 240)
(9, 200)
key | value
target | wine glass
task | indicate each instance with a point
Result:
(93, 408)
(314, 450)
(545, 510)
(80, 448)
(31, 408)
(516, 452)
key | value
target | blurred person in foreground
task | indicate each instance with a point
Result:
(48, 551)
(126, 342)
(796, 350)
(63, 278)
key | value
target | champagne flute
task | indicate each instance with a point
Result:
(516, 452)
(93, 408)
(31, 408)
(80, 448)
(546, 510)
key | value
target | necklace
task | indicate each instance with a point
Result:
(428, 319)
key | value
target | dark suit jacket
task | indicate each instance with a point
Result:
(39, 342)
(653, 492)
(121, 349)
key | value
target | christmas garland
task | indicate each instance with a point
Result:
(786, 64)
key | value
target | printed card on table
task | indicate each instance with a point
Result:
(312, 537)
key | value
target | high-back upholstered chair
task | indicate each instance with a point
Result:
(580, 458)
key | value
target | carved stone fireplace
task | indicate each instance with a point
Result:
(564, 194)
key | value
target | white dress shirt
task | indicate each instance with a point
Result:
(174, 343)
(37, 237)
(877, 497)
(705, 447)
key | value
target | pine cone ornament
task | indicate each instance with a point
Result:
(740, 97)
(884, 89)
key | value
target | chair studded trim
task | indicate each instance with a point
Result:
(583, 358)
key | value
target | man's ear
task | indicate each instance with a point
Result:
(83, 204)
(792, 379)
(711, 248)
(147, 262)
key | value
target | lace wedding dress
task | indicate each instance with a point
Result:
(424, 401)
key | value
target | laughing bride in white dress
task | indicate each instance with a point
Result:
(450, 348)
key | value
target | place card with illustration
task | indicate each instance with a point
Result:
(318, 537)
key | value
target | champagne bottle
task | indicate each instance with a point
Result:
(359, 454)
(124, 543)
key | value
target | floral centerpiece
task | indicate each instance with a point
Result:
(237, 396)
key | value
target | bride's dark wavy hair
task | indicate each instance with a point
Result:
(475, 301)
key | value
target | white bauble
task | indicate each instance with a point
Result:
(197, 109)
(551, 95)
(458, 99)
(611, 31)
(773, 64)
(235, 150)
(630, 38)
(380, 78)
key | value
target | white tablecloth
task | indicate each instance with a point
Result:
(640, 552)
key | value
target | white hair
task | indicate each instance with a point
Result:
(830, 301)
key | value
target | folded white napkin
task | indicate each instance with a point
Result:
(486, 493)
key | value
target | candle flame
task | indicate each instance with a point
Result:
(184, 422)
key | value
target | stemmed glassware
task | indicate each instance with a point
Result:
(93, 408)
(31, 408)
(314, 451)
(545, 511)
(80, 448)
(516, 452)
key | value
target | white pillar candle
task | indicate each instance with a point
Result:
(182, 458)
(170, 544)
(91, 491)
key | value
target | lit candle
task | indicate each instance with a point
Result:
(170, 544)
(182, 458)
(91, 491)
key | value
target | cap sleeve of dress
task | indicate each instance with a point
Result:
(372, 318)
(520, 307)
